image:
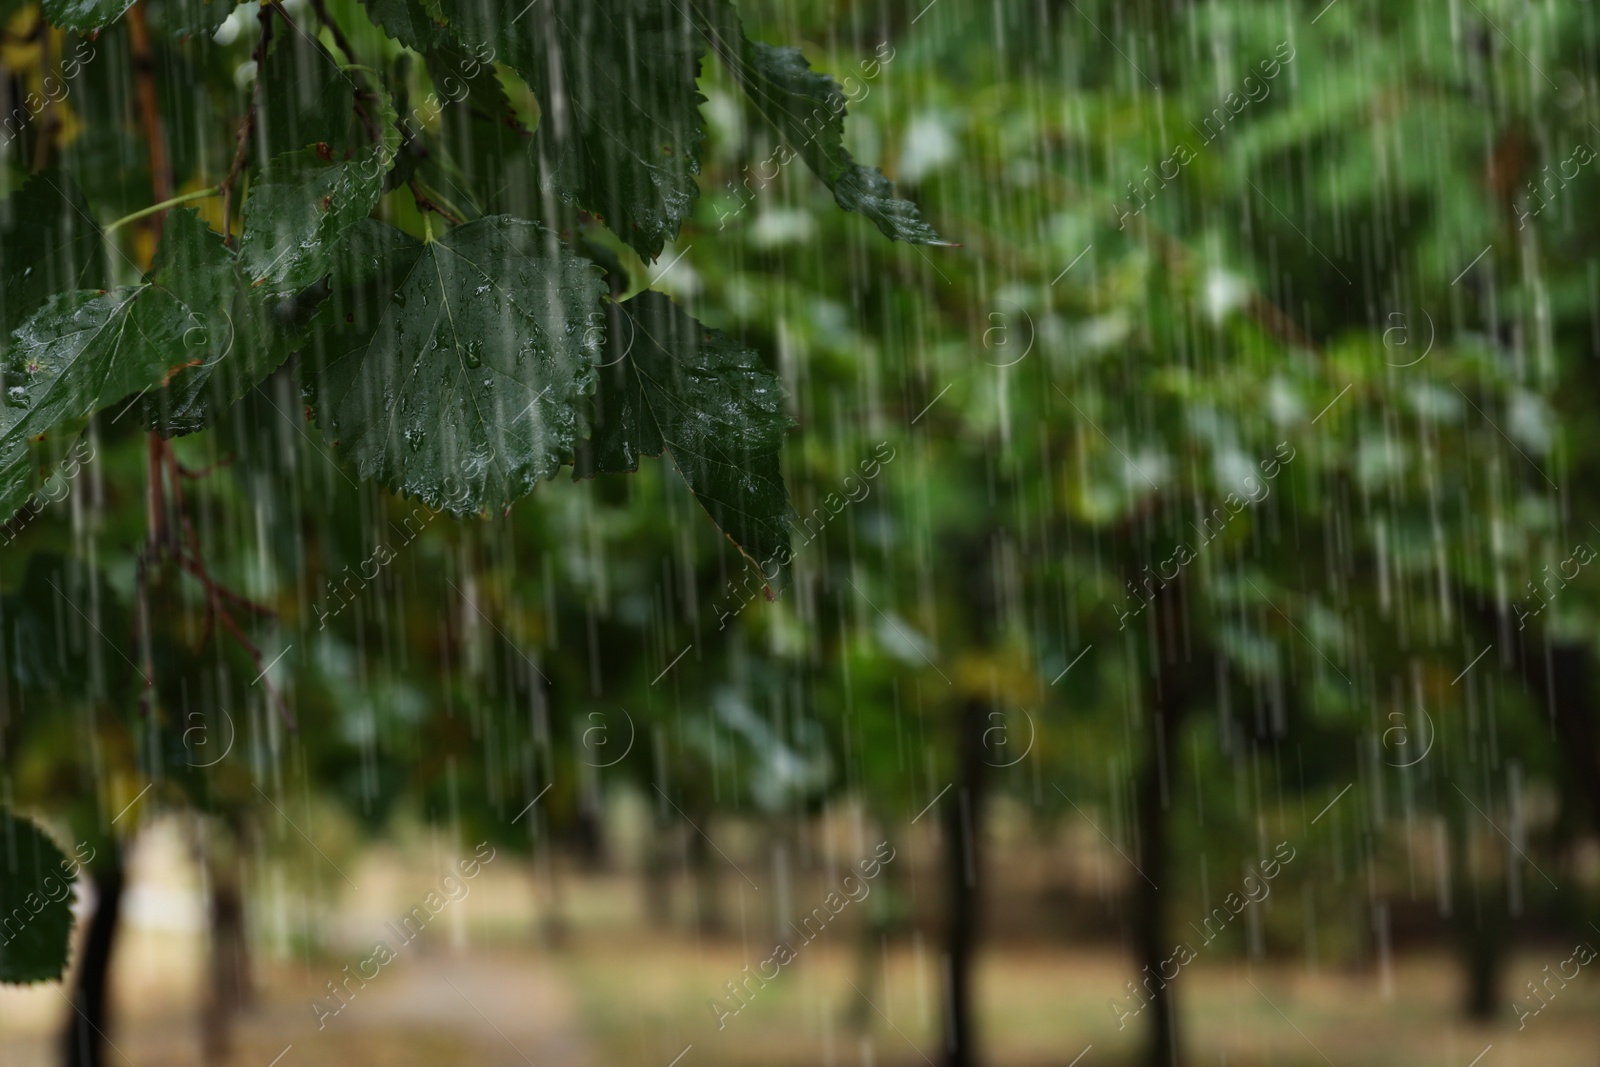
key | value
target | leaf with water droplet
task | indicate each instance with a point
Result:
(621, 131)
(305, 99)
(807, 107)
(48, 243)
(297, 211)
(413, 327)
(240, 337)
(417, 24)
(670, 385)
(84, 15)
(86, 348)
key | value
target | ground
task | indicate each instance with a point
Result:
(483, 984)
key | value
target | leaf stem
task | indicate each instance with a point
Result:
(198, 194)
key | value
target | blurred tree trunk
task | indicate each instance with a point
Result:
(1480, 925)
(658, 872)
(85, 1041)
(962, 810)
(555, 927)
(1169, 694)
(1560, 674)
(229, 989)
(589, 832)
(703, 872)
(963, 818)
(1151, 945)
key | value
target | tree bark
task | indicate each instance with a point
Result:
(963, 818)
(85, 1041)
(1169, 694)
(1151, 945)
(229, 964)
(703, 871)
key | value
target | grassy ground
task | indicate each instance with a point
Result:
(647, 997)
(481, 987)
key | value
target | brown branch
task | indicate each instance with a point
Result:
(50, 125)
(425, 204)
(362, 95)
(216, 592)
(241, 149)
(161, 189)
(321, 8)
(149, 111)
(195, 475)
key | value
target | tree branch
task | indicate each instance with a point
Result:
(241, 150)
(149, 110)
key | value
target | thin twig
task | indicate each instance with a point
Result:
(195, 475)
(339, 38)
(149, 109)
(50, 126)
(363, 95)
(425, 204)
(242, 149)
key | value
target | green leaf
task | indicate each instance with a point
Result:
(297, 210)
(84, 15)
(417, 24)
(35, 903)
(451, 370)
(481, 134)
(672, 385)
(85, 349)
(620, 132)
(807, 108)
(51, 650)
(235, 344)
(184, 18)
(306, 99)
(48, 242)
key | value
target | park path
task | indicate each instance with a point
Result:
(435, 1009)
(519, 1011)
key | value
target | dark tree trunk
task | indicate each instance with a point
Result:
(1152, 947)
(962, 809)
(1176, 674)
(658, 874)
(229, 965)
(704, 872)
(85, 1042)
(1480, 925)
(1560, 675)
(963, 819)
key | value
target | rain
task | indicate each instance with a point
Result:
(864, 533)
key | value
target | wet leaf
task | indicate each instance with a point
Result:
(36, 901)
(84, 15)
(673, 386)
(620, 132)
(417, 24)
(296, 212)
(450, 370)
(48, 243)
(183, 18)
(237, 344)
(305, 99)
(86, 349)
(807, 108)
